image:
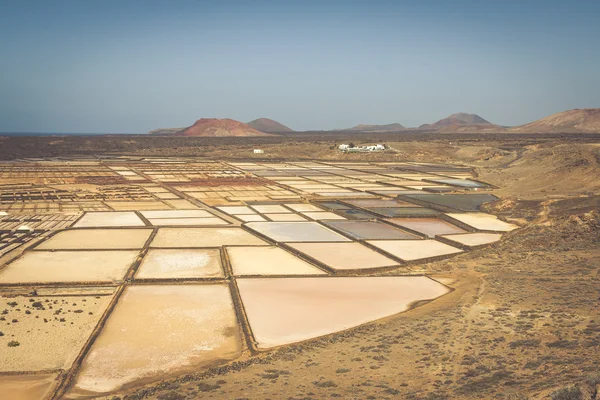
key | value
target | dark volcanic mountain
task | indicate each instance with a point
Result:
(457, 119)
(268, 125)
(376, 128)
(165, 131)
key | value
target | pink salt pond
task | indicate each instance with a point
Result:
(344, 256)
(289, 310)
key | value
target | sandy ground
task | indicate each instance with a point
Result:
(47, 332)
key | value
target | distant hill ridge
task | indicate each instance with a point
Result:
(377, 128)
(585, 120)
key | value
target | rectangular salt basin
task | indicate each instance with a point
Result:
(410, 250)
(288, 310)
(427, 226)
(344, 256)
(325, 215)
(463, 202)
(93, 239)
(105, 219)
(370, 230)
(349, 194)
(461, 182)
(166, 196)
(250, 218)
(237, 210)
(356, 214)
(377, 203)
(268, 261)
(180, 204)
(405, 212)
(137, 205)
(204, 237)
(48, 345)
(285, 217)
(177, 214)
(396, 192)
(159, 330)
(181, 263)
(484, 222)
(270, 208)
(332, 205)
(474, 239)
(187, 221)
(301, 207)
(296, 232)
(69, 266)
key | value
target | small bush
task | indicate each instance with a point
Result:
(525, 343)
(325, 384)
(13, 343)
(207, 387)
(567, 393)
(563, 344)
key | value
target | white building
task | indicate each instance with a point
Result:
(347, 148)
(258, 151)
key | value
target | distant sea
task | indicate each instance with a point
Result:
(60, 134)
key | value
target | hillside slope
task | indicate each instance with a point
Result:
(268, 126)
(585, 120)
(457, 119)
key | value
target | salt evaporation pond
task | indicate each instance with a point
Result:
(415, 211)
(91, 239)
(370, 230)
(296, 232)
(344, 256)
(106, 219)
(289, 310)
(483, 222)
(269, 260)
(180, 263)
(204, 237)
(463, 202)
(285, 217)
(474, 239)
(427, 226)
(69, 266)
(157, 330)
(411, 250)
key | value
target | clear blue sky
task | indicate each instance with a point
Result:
(132, 66)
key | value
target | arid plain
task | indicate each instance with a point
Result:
(449, 266)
